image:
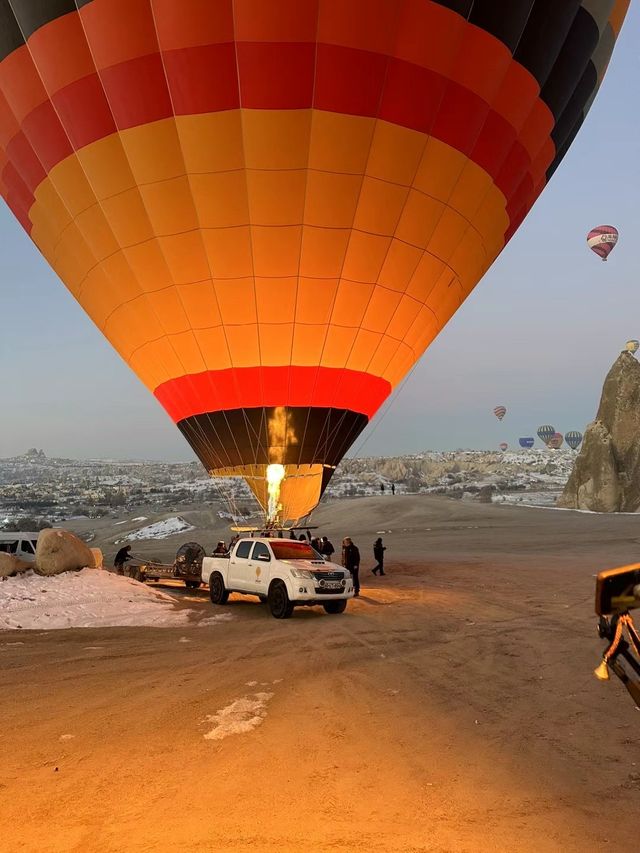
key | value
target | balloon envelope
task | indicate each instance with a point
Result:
(555, 441)
(503, 446)
(602, 240)
(545, 432)
(272, 209)
(573, 439)
(632, 346)
(499, 412)
(526, 442)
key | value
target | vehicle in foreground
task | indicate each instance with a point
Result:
(281, 572)
(617, 593)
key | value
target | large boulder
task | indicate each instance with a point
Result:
(606, 474)
(12, 565)
(61, 551)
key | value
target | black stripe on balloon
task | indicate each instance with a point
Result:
(297, 436)
(570, 66)
(565, 147)
(33, 14)
(574, 110)
(505, 21)
(546, 31)
(10, 35)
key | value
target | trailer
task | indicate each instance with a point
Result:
(186, 567)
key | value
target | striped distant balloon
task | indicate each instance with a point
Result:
(632, 346)
(546, 432)
(602, 239)
(499, 412)
(555, 442)
(573, 439)
(526, 442)
(503, 446)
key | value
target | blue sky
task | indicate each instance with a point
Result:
(537, 335)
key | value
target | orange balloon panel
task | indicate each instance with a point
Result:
(271, 210)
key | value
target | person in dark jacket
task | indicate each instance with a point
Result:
(351, 561)
(378, 553)
(326, 548)
(122, 557)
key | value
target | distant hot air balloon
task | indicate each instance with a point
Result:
(526, 442)
(573, 439)
(632, 346)
(602, 240)
(271, 209)
(546, 432)
(503, 446)
(555, 442)
(500, 412)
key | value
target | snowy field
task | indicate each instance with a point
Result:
(91, 598)
(160, 530)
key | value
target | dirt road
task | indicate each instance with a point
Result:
(452, 708)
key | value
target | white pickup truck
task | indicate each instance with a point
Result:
(282, 572)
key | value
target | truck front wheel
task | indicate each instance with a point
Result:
(217, 591)
(335, 606)
(279, 603)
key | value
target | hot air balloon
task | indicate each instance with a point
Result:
(632, 346)
(602, 240)
(526, 442)
(555, 442)
(499, 412)
(503, 446)
(272, 209)
(545, 432)
(573, 439)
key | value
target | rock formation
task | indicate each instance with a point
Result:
(606, 474)
(61, 551)
(12, 565)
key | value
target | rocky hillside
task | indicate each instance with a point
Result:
(606, 475)
(527, 476)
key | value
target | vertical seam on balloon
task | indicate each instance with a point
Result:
(249, 224)
(28, 48)
(302, 224)
(199, 229)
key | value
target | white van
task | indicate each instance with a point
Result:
(22, 545)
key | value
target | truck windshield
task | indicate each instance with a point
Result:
(284, 550)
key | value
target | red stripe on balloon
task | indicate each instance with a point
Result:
(255, 387)
(276, 76)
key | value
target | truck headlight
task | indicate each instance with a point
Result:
(302, 573)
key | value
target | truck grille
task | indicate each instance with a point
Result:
(328, 576)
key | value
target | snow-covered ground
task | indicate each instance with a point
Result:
(161, 529)
(91, 598)
(241, 716)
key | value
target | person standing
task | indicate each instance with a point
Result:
(121, 558)
(351, 562)
(393, 488)
(382, 488)
(378, 553)
(326, 548)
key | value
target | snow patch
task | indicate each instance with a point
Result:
(161, 529)
(241, 716)
(91, 598)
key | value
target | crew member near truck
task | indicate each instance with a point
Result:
(122, 557)
(351, 561)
